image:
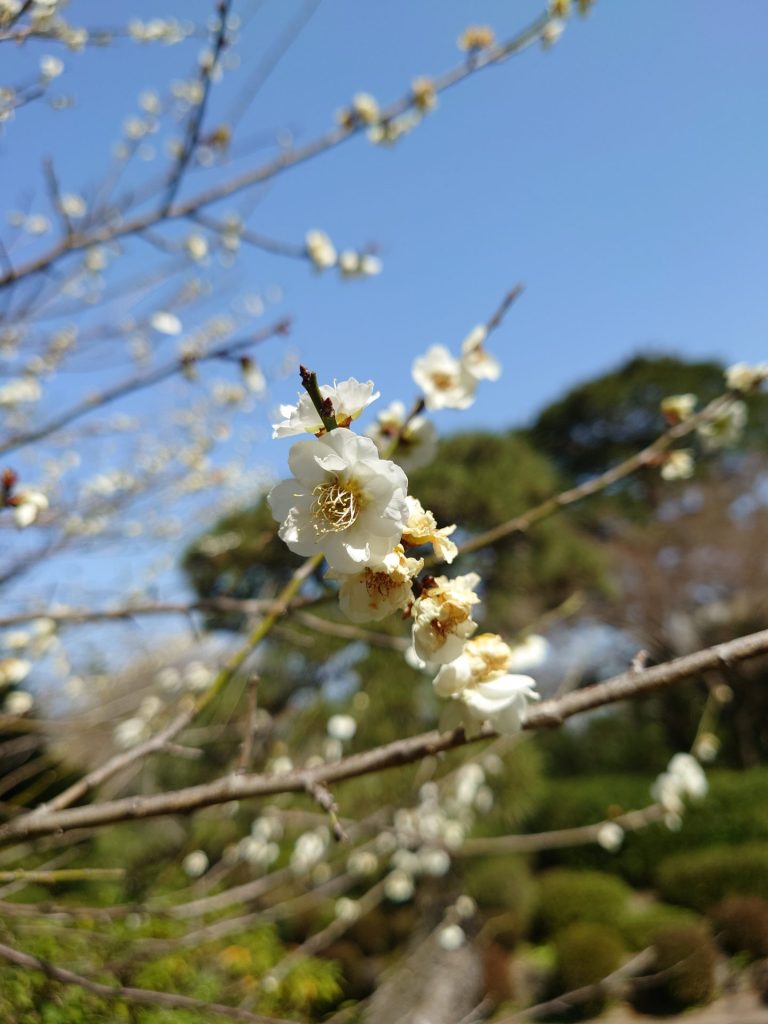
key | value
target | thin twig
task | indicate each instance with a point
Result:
(138, 383)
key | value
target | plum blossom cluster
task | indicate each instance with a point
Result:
(450, 383)
(684, 779)
(27, 504)
(723, 428)
(365, 110)
(349, 505)
(322, 254)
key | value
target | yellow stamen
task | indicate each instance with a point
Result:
(335, 507)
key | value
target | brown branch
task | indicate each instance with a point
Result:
(548, 714)
(646, 457)
(195, 123)
(558, 839)
(139, 996)
(74, 616)
(498, 316)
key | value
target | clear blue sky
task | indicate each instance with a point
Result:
(621, 176)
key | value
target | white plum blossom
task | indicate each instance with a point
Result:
(51, 67)
(451, 937)
(366, 108)
(346, 909)
(551, 32)
(442, 617)
(309, 850)
(19, 702)
(343, 501)
(678, 465)
(480, 680)
(195, 864)
(380, 589)
(528, 654)
(196, 247)
(29, 505)
(398, 886)
(416, 437)
(434, 861)
(129, 732)
(358, 264)
(683, 779)
(707, 747)
(479, 363)
(165, 323)
(341, 727)
(320, 250)
(744, 377)
(676, 408)
(465, 906)
(421, 528)
(13, 670)
(610, 836)
(23, 389)
(362, 863)
(444, 381)
(73, 205)
(349, 397)
(725, 428)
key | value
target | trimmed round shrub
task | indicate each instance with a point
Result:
(638, 926)
(574, 897)
(735, 811)
(705, 877)
(683, 973)
(741, 925)
(586, 954)
(504, 892)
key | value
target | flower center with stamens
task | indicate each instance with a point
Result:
(443, 381)
(335, 507)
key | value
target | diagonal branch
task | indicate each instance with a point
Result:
(550, 713)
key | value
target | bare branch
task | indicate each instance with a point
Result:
(548, 714)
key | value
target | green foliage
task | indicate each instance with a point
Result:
(586, 954)
(503, 888)
(640, 923)
(685, 959)
(227, 971)
(479, 480)
(702, 878)
(741, 925)
(608, 743)
(609, 418)
(241, 556)
(568, 897)
(734, 810)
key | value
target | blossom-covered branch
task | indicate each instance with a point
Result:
(548, 714)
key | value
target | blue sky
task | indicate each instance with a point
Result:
(621, 176)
